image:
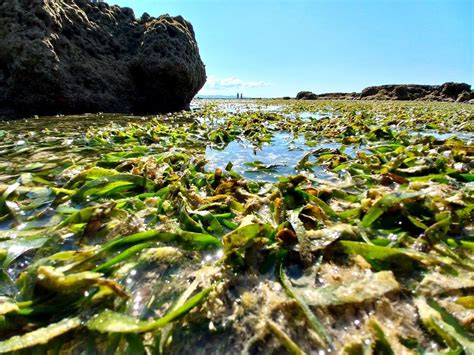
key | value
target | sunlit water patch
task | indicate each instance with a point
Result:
(242, 107)
(308, 115)
(277, 158)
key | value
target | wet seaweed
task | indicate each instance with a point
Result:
(264, 226)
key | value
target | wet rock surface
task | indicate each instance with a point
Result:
(72, 56)
(459, 92)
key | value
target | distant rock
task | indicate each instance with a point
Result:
(71, 56)
(306, 95)
(444, 92)
(459, 92)
(401, 93)
(396, 92)
(453, 90)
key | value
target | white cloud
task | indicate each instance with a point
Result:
(215, 84)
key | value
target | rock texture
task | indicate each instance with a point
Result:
(72, 56)
(445, 92)
(459, 92)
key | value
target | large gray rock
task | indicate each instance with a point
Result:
(71, 56)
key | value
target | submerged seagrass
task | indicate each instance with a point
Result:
(262, 226)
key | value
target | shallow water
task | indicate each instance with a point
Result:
(59, 141)
(233, 107)
(309, 116)
(278, 158)
(343, 162)
(281, 155)
(466, 136)
(55, 139)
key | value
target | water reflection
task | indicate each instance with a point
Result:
(277, 158)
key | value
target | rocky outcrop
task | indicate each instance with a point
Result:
(306, 95)
(72, 56)
(445, 92)
(459, 92)
(453, 90)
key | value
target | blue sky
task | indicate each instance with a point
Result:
(271, 48)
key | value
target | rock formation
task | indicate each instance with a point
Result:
(459, 92)
(445, 92)
(72, 56)
(306, 95)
